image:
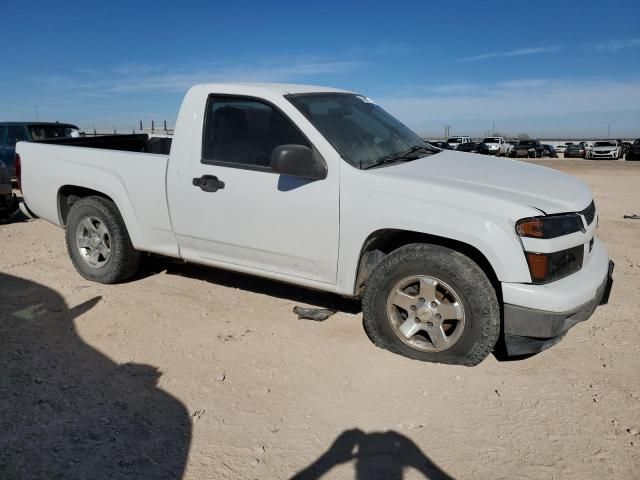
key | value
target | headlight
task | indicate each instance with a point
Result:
(550, 226)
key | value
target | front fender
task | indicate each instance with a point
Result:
(497, 244)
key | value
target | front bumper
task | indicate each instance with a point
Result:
(528, 331)
(607, 155)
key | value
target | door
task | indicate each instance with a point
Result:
(235, 210)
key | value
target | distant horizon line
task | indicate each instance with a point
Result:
(159, 128)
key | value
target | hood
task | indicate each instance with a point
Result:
(519, 183)
(610, 147)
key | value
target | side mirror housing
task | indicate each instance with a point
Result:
(298, 161)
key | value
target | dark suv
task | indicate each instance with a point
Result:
(634, 151)
(8, 202)
(528, 148)
(13, 132)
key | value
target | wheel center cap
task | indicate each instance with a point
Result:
(95, 240)
(424, 313)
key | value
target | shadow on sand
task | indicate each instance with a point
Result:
(250, 283)
(377, 455)
(67, 410)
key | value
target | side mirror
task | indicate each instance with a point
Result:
(298, 161)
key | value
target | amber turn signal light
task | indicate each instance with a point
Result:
(531, 227)
(538, 266)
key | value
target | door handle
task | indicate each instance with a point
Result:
(208, 183)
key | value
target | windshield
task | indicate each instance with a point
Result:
(491, 140)
(605, 144)
(454, 140)
(361, 131)
(40, 132)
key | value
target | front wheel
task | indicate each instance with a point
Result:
(98, 242)
(433, 304)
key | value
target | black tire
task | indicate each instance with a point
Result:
(124, 259)
(463, 275)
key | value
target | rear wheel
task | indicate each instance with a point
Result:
(433, 304)
(98, 242)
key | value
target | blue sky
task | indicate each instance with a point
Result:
(546, 68)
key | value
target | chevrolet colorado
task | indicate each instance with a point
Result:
(322, 188)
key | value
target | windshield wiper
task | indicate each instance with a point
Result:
(406, 155)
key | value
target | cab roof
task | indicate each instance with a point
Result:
(277, 88)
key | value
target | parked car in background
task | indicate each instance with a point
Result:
(497, 145)
(625, 147)
(605, 149)
(560, 148)
(508, 250)
(440, 144)
(8, 201)
(475, 147)
(549, 151)
(509, 146)
(13, 132)
(575, 151)
(634, 151)
(528, 148)
(455, 142)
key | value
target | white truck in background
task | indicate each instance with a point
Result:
(497, 146)
(322, 188)
(455, 142)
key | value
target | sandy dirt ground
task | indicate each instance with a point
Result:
(200, 373)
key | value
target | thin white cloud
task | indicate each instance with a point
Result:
(615, 45)
(512, 53)
(134, 77)
(517, 104)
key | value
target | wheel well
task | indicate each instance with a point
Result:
(70, 194)
(382, 242)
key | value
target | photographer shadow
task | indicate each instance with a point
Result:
(377, 455)
(68, 410)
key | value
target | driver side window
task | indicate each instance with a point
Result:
(243, 132)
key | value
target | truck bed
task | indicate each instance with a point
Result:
(116, 167)
(128, 143)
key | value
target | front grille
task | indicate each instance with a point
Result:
(589, 213)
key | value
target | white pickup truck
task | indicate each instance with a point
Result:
(497, 146)
(319, 187)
